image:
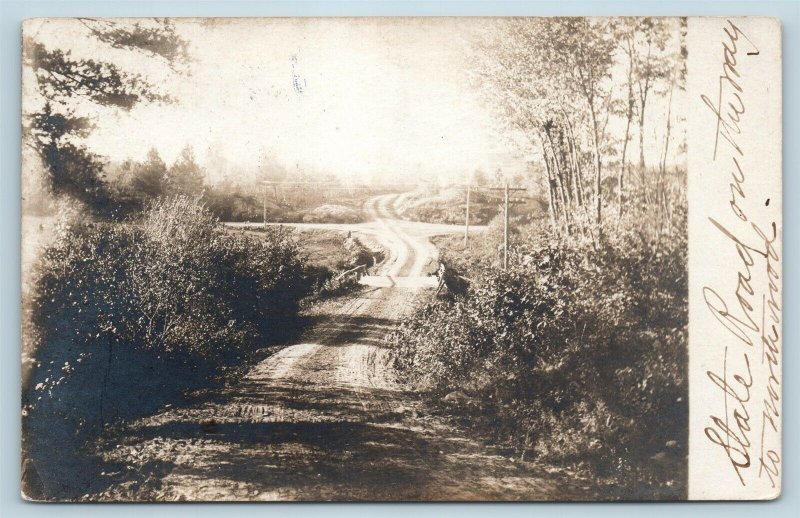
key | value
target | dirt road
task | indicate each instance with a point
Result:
(325, 419)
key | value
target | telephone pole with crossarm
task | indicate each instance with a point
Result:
(506, 202)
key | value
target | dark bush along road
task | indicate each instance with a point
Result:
(326, 419)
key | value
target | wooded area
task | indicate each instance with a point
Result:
(565, 88)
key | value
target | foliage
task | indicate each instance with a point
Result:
(232, 204)
(129, 317)
(185, 176)
(576, 354)
(139, 183)
(447, 205)
(246, 203)
(133, 184)
(645, 42)
(62, 77)
(155, 36)
(72, 169)
(552, 82)
(328, 255)
(150, 177)
(55, 132)
(330, 213)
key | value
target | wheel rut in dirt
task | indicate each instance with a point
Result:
(324, 419)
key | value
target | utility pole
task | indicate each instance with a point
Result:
(506, 203)
(466, 222)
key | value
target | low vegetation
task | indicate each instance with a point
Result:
(239, 204)
(329, 213)
(328, 254)
(128, 317)
(444, 205)
(574, 356)
(484, 249)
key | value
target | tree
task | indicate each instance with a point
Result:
(648, 42)
(72, 169)
(626, 33)
(479, 178)
(55, 131)
(557, 82)
(654, 60)
(149, 178)
(270, 170)
(583, 48)
(185, 176)
(549, 80)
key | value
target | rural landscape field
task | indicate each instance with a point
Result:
(354, 259)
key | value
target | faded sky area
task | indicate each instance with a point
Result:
(383, 99)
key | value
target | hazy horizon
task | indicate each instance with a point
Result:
(357, 100)
(368, 99)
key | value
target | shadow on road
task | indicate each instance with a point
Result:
(348, 329)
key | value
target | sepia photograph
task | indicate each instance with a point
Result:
(355, 259)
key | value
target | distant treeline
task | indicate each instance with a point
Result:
(128, 187)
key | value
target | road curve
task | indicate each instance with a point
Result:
(412, 252)
(324, 419)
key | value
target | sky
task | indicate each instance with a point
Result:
(367, 99)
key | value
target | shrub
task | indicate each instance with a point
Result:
(577, 356)
(447, 206)
(130, 316)
(233, 205)
(332, 214)
(349, 253)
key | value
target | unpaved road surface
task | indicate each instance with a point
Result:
(325, 419)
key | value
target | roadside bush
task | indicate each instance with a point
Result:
(351, 253)
(229, 205)
(447, 206)
(577, 356)
(332, 214)
(127, 317)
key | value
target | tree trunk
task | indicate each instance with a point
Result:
(665, 210)
(553, 214)
(641, 139)
(620, 182)
(598, 169)
(566, 160)
(559, 175)
(666, 137)
(643, 91)
(578, 176)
